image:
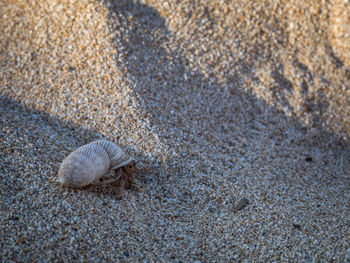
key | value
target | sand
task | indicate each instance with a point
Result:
(216, 100)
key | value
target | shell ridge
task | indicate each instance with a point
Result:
(117, 156)
(96, 152)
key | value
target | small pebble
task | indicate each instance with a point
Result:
(308, 159)
(297, 226)
(241, 204)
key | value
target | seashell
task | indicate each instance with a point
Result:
(90, 162)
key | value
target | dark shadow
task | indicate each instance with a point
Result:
(314, 105)
(227, 119)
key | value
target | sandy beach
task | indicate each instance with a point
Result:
(215, 100)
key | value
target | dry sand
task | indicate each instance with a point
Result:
(216, 100)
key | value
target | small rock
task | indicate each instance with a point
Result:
(297, 226)
(241, 204)
(308, 159)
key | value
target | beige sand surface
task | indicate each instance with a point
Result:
(216, 100)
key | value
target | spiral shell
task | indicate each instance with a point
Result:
(90, 162)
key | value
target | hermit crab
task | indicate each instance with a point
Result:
(89, 163)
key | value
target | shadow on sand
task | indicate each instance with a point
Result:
(193, 112)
